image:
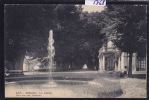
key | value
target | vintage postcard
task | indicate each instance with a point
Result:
(75, 51)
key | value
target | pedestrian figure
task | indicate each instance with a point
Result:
(123, 73)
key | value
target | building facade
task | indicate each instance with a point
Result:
(111, 58)
(30, 64)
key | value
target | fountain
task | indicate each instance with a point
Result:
(51, 53)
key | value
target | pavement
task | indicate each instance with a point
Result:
(76, 84)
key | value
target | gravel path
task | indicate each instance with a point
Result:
(133, 88)
(80, 84)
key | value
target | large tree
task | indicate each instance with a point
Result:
(66, 35)
(92, 40)
(76, 34)
(27, 27)
(128, 24)
(26, 30)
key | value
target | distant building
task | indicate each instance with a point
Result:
(29, 63)
(111, 58)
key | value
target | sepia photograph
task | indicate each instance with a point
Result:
(75, 51)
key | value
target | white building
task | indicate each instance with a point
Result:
(111, 58)
(30, 64)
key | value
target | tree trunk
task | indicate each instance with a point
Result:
(71, 65)
(60, 66)
(13, 65)
(19, 62)
(18, 65)
(130, 65)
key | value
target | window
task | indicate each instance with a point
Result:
(141, 64)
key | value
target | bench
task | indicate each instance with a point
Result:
(12, 73)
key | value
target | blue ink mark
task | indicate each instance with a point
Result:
(99, 2)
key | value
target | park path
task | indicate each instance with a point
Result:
(74, 84)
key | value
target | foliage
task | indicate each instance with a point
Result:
(76, 38)
(78, 35)
(127, 24)
(26, 28)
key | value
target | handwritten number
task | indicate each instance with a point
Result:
(96, 2)
(101, 2)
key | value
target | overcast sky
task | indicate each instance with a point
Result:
(89, 8)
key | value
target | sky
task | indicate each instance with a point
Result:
(90, 8)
